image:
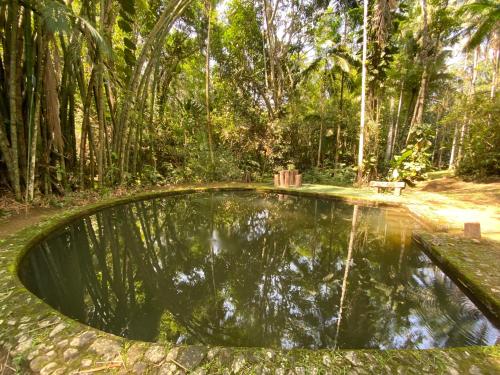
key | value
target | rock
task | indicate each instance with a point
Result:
(139, 368)
(38, 362)
(212, 353)
(474, 370)
(351, 357)
(135, 353)
(51, 354)
(57, 329)
(23, 346)
(33, 354)
(59, 371)
(327, 361)
(155, 354)
(200, 371)
(238, 364)
(45, 323)
(270, 354)
(225, 357)
(452, 371)
(48, 369)
(106, 348)
(25, 319)
(280, 371)
(70, 354)
(62, 344)
(87, 362)
(11, 322)
(192, 356)
(83, 340)
(300, 371)
(168, 368)
(173, 354)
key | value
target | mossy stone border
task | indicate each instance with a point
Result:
(42, 340)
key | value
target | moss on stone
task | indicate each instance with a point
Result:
(474, 268)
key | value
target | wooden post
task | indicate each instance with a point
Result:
(472, 230)
(276, 180)
(287, 179)
(397, 191)
(282, 178)
(298, 180)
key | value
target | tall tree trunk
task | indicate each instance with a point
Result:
(208, 8)
(363, 94)
(467, 119)
(418, 112)
(37, 116)
(398, 116)
(496, 62)
(13, 105)
(451, 164)
(390, 135)
(339, 128)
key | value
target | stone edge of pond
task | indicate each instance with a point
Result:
(457, 257)
(42, 340)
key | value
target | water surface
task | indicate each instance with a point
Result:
(251, 269)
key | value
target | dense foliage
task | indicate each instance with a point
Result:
(103, 92)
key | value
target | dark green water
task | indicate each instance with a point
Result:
(248, 269)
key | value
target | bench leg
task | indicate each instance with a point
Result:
(379, 190)
(397, 192)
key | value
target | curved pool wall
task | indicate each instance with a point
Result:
(251, 269)
(47, 341)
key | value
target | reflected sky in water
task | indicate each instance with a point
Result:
(250, 269)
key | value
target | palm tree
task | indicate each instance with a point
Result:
(363, 93)
(483, 22)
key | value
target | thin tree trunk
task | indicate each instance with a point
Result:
(467, 118)
(453, 148)
(14, 22)
(418, 112)
(341, 110)
(388, 149)
(37, 117)
(398, 117)
(208, 8)
(496, 61)
(363, 94)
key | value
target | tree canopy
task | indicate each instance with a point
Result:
(98, 93)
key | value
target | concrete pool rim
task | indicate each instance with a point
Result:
(46, 341)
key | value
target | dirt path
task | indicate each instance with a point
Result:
(455, 202)
(24, 219)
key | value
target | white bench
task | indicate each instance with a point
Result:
(396, 185)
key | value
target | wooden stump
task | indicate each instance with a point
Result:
(472, 230)
(298, 180)
(287, 179)
(276, 180)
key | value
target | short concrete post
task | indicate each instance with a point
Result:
(293, 177)
(282, 178)
(276, 180)
(472, 230)
(298, 180)
(287, 179)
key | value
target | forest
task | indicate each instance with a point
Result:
(102, 93)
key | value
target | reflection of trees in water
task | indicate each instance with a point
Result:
(242, 270)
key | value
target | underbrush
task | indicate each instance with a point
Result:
(344, 176)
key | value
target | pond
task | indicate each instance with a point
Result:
(255, 270)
